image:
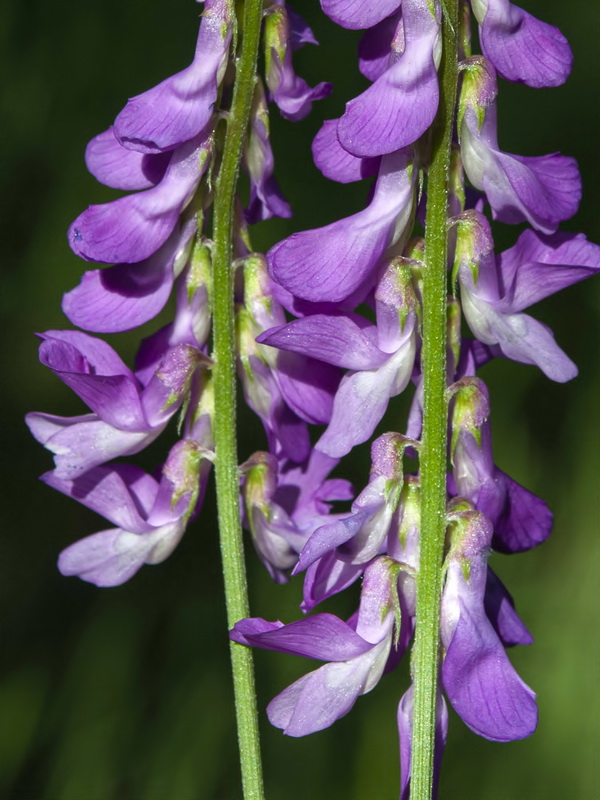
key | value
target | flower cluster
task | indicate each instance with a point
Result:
(355, 289)
(329, 330)
(163, 151)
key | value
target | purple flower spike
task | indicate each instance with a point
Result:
(357, 14)
(356, 655)
(292, 94)
(480, 682)
(120, 168)
(132, 228)
(521, 47)
(329, 264)
(175, 111)
(543, 190)
(399, 107)
(336, 163)
(125, 296)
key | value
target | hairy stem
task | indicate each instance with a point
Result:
(226, 462)
(433, 461)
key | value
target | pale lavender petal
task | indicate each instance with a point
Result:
(329, 537)
(322, 636)
(80, 443)
(335, 162)
(132, 228)
(538, 265)
(318, 699)
(542, 190)
(521, 47)
(176, 110)
(402, 103)
(108, 493)
(329, 264)
(107, 558)
(362, 400)
(357, 14)
(337, 340)
(519, 336)
(120, 168)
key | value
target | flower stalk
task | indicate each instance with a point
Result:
(433, 461)
(226, 461)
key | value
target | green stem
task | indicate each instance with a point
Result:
(226, 461)
(433, 460)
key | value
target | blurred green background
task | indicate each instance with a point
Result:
(124, 694)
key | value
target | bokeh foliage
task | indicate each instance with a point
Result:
(124, 694)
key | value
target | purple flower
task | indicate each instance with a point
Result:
(151, 517)
(132, 228)
(285, 503)
(328, 264)
(495, 292)
(380, 359)
(478, 678)
(361, 536)
(127, 415)
(284, 31)
(521, 47)
(356, 654)
(544, 190)
(520, 519)
(178, 109)
(402, 102)
(125, 296)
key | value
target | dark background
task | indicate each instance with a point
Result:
(124, 694)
